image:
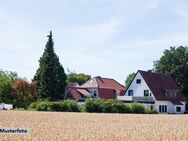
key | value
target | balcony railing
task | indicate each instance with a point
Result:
(136, 99)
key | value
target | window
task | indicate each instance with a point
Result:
(162, 108)
(178, 109)
(130, 93)
(83, 96)
(94, 93)
(146, 92)
(138, 81)
(171, 93)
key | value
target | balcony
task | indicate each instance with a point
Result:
(136, 99)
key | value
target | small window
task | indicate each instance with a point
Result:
(160, 109)
(146, 92)
(138, 81)
(178, 109)
(130, 93)
(171, 93)
(94, 93)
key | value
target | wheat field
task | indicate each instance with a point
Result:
(56, 126)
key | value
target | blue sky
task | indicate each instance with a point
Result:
(109, 38)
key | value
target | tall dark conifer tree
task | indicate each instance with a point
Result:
(50, 76)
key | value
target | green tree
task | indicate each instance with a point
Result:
(6, 80)
(50, 76)
(129, 79)
(174, 62)
(79, 78)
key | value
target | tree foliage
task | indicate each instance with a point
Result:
(129, 79)
(174, 62)
(6, 81)
(50, 76)
(79, 78)
(23, 93)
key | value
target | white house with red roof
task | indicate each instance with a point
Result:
(155, 91)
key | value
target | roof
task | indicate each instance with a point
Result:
(84, 92)
(105, 83)
(76, 93)
(158, 83)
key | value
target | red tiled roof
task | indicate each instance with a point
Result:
(76, 93)
(84, 92)
(158, 83)
(106, 83)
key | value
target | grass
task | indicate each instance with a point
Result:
(91, 127)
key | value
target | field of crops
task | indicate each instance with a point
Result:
(101, 127)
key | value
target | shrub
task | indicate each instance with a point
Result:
(137, 108)
(59, 106)
(72, 106)
(63, 106)
(151, 111)
(43, 106)
(33, 105)
(115, 106)
(93, 106)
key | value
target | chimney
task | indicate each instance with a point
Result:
(149, 70)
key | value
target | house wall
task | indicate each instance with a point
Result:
(107, 93)
(171, 108)
(138, 89)
(92, 90)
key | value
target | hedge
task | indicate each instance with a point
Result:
(91, 106)
(62, 106)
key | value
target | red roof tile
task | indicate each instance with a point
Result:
(106, 83)
(84, 92)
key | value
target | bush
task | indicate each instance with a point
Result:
(115, 106)
(72, 106)
(63, 106)
(33, 105)
(93, 106)
(151, 111)
(43, 106)
(59, 106)
(137, 108)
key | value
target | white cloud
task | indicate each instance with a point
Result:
(95, 32)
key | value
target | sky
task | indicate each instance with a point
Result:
(108, 38)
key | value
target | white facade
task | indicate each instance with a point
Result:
(94, 92)
(139, 88)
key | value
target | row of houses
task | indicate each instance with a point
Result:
(153, 90)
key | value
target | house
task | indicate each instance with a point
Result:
(97, 87)
(155, 91)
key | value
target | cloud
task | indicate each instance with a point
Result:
(95, 32)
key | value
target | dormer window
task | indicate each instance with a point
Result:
(171, 93)
(138, 81)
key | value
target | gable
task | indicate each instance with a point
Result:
(138, 89)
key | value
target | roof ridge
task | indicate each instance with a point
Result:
(159, 73)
